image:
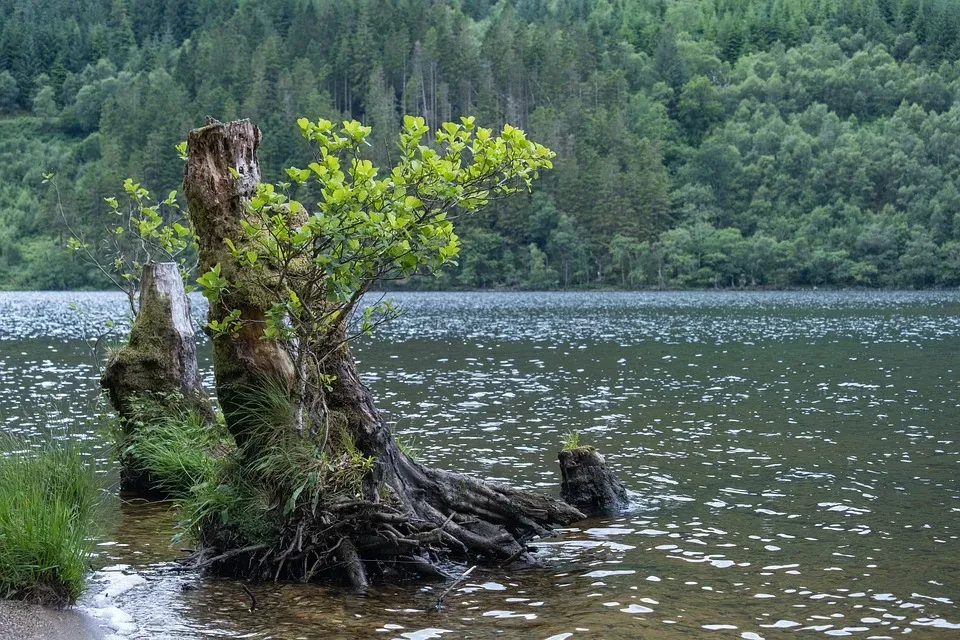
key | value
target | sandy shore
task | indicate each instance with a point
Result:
(30, 622)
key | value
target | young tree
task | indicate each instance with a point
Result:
(625, 252)
(283, 282)
(141, 232)
(540, 276)
(44, 104)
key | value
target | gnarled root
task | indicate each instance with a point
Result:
(426, 518)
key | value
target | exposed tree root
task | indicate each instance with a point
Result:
(436, 517)
(408, 520)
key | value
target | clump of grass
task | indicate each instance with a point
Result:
(276, 479)
(51, 503)
(571, 440)
(173, 450)
(176, 452)
(409, 446)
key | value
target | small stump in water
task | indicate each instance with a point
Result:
(154, 375)
(588, 485)
(160, 356)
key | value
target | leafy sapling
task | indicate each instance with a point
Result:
(135, 233)
(370, 226)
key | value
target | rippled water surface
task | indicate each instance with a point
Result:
(794, 458)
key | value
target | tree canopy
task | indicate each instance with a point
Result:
(699, 143)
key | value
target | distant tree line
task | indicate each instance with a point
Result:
(701, 143)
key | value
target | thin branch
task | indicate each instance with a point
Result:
(439, 605)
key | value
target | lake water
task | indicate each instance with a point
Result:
(794, 458)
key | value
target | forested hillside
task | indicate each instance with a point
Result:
(700, 143)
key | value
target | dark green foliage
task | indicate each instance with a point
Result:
(50, 508)
(700, 143)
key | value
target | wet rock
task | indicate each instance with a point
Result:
(588, 484)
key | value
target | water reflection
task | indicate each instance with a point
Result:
(793, 458)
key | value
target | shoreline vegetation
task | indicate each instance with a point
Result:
(165, 451)
(299, 477)
(52, 507)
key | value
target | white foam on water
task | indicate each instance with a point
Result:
(113, 582)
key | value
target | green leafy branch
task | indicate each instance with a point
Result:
(315, 265)
(134, 233)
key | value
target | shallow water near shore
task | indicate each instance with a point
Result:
(794, 460)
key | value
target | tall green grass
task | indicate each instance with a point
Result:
(279, 475)
(51, 506)
(175, 451)
(571, 440)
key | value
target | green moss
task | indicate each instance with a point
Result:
(255, 295)
(339, 435)
(147, 354)
(142, 368)
(144, 364)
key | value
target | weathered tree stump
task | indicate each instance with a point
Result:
(242, 360)
(154, 375)
(406, 518)
(160, 357)
(588, 484)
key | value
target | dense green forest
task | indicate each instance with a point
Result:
(700, 143)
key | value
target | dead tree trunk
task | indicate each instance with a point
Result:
(155, 373)
(217, 207)
(160, 357)
(407, 517)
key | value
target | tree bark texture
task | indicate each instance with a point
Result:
(410, 517)
(588, 484)
(217, 202)
(160, 357)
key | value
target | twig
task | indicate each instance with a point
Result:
(229, 554)
(439, 605)
(253, 598)
(520, 552)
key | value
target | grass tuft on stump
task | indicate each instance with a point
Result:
(275, 504)
(51, 507)
(571, 441)
(166, 451)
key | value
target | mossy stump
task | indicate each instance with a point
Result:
(158, 364)
(588, 484)
(397, 517)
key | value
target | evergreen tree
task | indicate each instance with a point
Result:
(720, 142)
